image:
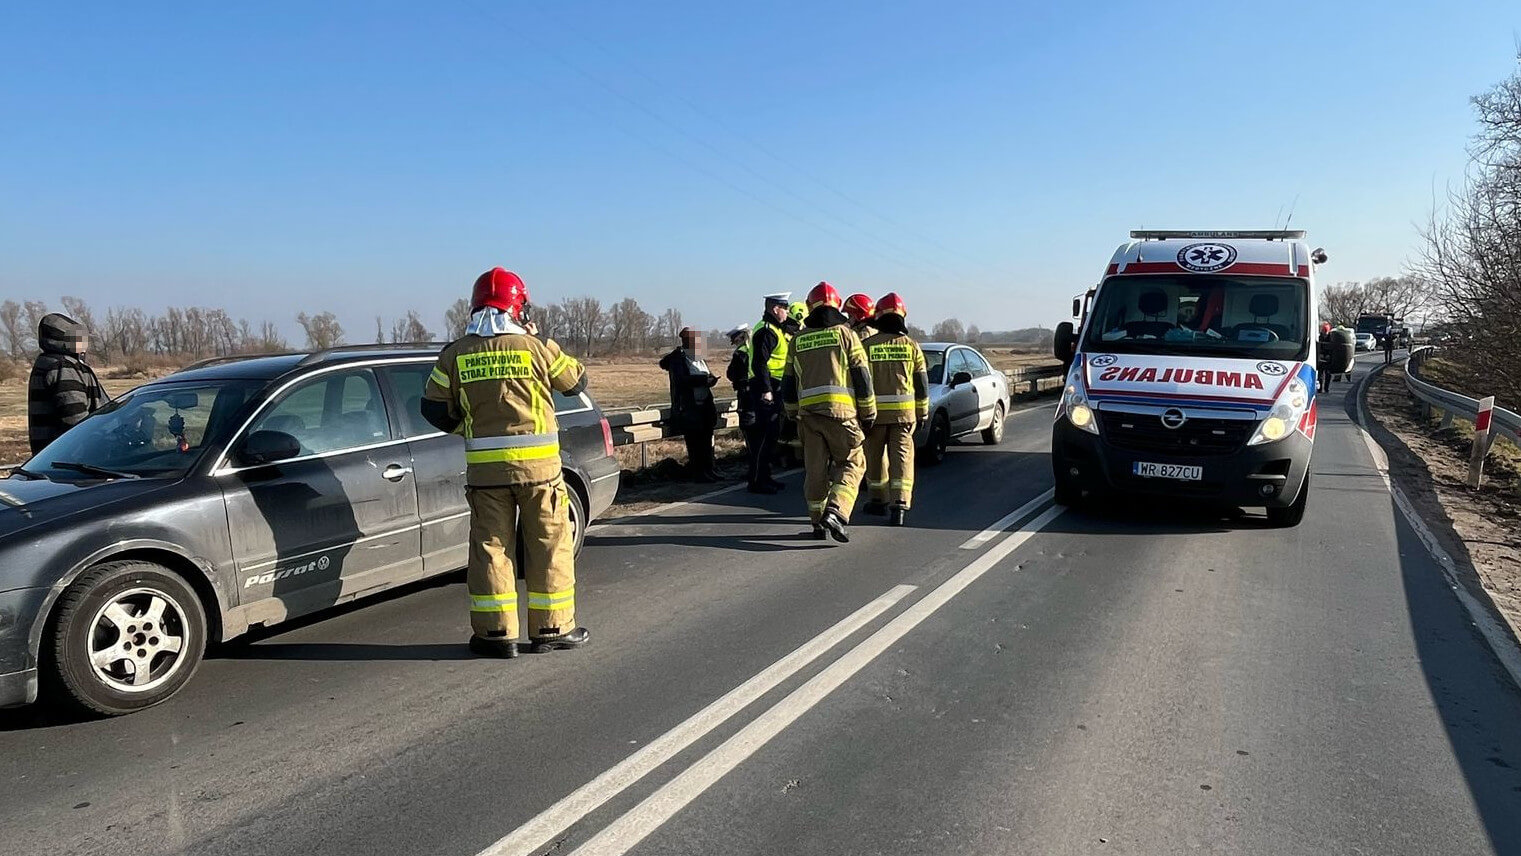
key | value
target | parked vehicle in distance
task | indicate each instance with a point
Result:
(1194, 373)
(1366, 341)
(967, 396)
(237, 493)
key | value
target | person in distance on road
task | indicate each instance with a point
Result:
(693, 412)
(62, 389)
(769, 344)
(860, 309)
(738, 374)
(827, 385)
(901, 384)
(493, 386)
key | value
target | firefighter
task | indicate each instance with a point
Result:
(493, 386)
(828, 386)
(796, 312)
(789, 449)
(901, 384)
(768, 360)
(859, 309)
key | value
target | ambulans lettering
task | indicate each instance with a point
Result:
(1204, 377)
(494, 365)
(320, 563)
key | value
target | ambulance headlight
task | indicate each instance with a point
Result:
(1288, 413)
(1074, 406)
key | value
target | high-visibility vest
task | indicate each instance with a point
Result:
(499, 389)
(827, 375)
(777, 365)
(898, 378)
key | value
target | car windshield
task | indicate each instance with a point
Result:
(156, 430)
(934, 361)
(1201, 315)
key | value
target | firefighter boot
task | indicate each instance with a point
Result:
(897, 514)
(494, 645)
(560, 641)
(834, 523)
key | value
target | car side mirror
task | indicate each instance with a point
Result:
(1077, 306)
(960, 378)
(268, 447)
(1064, 343)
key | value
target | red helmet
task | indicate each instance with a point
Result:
(823, 294)
(858, 307)
(500, 289)
(892, 304)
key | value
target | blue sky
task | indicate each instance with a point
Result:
(983, 159)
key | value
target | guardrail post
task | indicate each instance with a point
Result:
(1481, 432)
(1446, 417)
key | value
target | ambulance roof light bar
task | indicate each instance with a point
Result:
(1260, 234)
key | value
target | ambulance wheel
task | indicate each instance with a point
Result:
(993, 434)
(1290, 516)
(1067, 492)
(127, 635)
(939, 439)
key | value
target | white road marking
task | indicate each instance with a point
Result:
(532, 837)
(976, 541)
(633, 827)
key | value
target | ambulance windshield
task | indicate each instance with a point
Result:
(1201, 315)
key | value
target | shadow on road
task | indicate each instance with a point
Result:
(350, 652)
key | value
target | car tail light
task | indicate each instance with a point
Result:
(607, 437)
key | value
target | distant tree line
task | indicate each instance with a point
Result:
(1401, 296)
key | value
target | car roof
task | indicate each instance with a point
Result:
(940, 346)
(270, 366)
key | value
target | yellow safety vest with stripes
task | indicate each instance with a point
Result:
(498, 387)
(827, 375)
(777, 365)
(899, 378)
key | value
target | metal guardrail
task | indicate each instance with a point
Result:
(1507, 423)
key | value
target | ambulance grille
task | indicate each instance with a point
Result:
(1145, 433)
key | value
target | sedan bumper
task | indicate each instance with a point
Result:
(20, 610)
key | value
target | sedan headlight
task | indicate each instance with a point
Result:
(1074, 406)
(1289, 413)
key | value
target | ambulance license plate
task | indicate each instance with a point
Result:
(1177, 472)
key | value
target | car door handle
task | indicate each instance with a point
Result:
(395, 472)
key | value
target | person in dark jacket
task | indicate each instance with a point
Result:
(693, 412)
(768, 357)
(63, 389)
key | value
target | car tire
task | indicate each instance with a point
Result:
(126, 635)
(1067, 493)
(578, 515)
(939, 439)
(993, 434)
(1291, 515)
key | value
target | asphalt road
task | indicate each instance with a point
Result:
(1141, 680)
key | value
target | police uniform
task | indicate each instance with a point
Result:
(498, 390)
(769, 347)
(828, 386)
(901, 384)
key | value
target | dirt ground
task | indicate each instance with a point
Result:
(1480, 529)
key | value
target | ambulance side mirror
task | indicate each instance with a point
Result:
(1077, 307)
(1064, 343)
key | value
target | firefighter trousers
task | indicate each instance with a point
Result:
(540, 512)
(833, 464)
(890, 463)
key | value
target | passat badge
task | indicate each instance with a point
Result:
(1206, 258)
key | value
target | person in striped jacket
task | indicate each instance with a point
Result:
(63, 389)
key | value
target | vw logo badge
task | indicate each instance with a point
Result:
(1173, 418)
(1206, 258)
(1103, 360)
(1274, 369)
(323, 562)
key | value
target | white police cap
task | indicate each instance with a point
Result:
(782, 297)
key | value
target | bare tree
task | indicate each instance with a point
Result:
(456, 317)
(1342, 302)
(34, 310)
(627, 326)
(77, 309)
(270, 341)
(585, 322)
(916, 333)
(668, 325)
(322, 330)
(380, 331)
(13, 333)
(973, 335)
(410, 329)
(949, 330)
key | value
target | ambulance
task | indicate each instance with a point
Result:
(1193, 373)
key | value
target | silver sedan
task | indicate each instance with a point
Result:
(967, 396)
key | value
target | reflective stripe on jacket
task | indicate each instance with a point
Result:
(899, 377)
(776, 363)
(499, 388)
(828, 375)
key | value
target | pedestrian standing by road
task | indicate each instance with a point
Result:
(493, 386)
(693, 412)
(769, 346)
(901, 384)
(828, 386)
(738, 374)
(1388, 344)
(1323, 354)
(62, 389)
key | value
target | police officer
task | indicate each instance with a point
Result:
(859, 309)
(768, 361)
(828, 385)
(493, 386)
(901, 384)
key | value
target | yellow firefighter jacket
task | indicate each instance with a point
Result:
(898, 377)
(498, 387)
(827, 375)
